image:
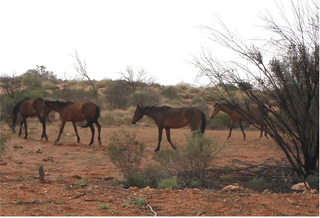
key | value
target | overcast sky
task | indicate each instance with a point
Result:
(159, 36)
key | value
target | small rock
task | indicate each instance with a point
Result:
(301, 187)
(266, 192)
(233, 188)
(311, 191)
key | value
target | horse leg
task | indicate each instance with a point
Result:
(241, 127)
(76, 130)
(60, 132)
(168, 138)
(26, 129)
(43, 121)
(261, 132)
(265, 132)
(21, 127)
(99, 131)
(160, 129)
(92, 134)
(232, 123)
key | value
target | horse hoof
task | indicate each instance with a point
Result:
(156, 150)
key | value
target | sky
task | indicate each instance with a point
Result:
(160, 37)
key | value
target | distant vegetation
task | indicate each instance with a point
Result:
(116, 98)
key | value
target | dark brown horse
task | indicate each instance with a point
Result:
(77, 112)
(166, 117)
(250, 113)
(30, 108)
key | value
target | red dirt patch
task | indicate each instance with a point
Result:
(79, 178)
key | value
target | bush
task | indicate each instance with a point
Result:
(257, 183)
(145, 97)
(220, 121)
(125, 152)
(170, 92)
(313, 181)
(171, 183)
(118, 95)
(190, 164)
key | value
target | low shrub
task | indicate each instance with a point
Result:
(171, 183)
(257, 183)
(125, 152)
(190, 163)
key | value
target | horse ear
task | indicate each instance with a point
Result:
(138, 106)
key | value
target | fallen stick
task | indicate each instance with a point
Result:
(154, 213)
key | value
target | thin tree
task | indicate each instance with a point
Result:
(10, 85)
(81, 68)
(134, 79)
(285, 87)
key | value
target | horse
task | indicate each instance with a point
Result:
(30, 108)
(77, 112)
(166, 118)
(250, 113)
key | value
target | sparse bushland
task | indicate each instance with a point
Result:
(190, 163)
(185, 167)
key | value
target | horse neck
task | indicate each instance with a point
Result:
(56, 108)
(151, 113)
(226, 109)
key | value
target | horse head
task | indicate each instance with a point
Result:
(215, 109)
(138, 114)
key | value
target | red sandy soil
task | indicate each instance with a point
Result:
(22, 194)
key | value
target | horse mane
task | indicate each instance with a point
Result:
(60, 103)
(159, 108)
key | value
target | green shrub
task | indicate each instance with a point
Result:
(170, 92)
(125, 152)
(196, 100)
(81, 184)
(136, 178)
(140, 202)
(220, 121)
(171, 183)
(313, 181)
(103, 207)
(190, 163)
(257, 183)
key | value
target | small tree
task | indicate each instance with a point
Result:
(81, 68)
(10, 85)
(286, 89)
(136, 79)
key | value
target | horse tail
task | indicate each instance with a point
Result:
(203, 122)
(15, 111)
(92, 120)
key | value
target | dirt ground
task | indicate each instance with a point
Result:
(79, 180)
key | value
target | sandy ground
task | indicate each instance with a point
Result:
(69, 164)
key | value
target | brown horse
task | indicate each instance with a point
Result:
(166, 117)
(77, 112)
(250, 113)
(30, 108)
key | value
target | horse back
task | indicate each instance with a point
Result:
(79, 111)
(26, 108)
(180, 117)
